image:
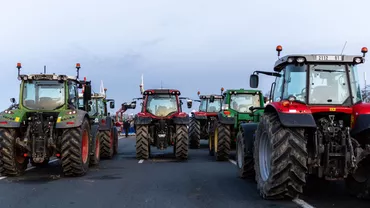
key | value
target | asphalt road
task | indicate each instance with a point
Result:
(158, 182)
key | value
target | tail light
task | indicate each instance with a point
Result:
(227, 112)
(103, 121)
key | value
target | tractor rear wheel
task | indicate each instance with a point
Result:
(222, 141)
(244, 161)
(182, 138)
(211, 146)
(280, 159)
(106, 144)
(194, 133)
(75, 150)
(115, 133)
(142, 142)
(13, 163)
(358, 184)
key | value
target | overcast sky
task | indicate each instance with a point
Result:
(189, 45)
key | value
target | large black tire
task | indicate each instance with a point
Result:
(285, 153)
(95, 157)
(115, 133)
(106, 144)
(142, 142)
(244, 161)
(358, 184)
(12, 161)
(222, 141)
(75, 150)
(182, 139)
(194, 133)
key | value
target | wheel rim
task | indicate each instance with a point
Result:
(85, 146)
(97, 148)
(210, 143)
(265, 156)
(240, 155)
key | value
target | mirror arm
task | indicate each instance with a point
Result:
(275, 74)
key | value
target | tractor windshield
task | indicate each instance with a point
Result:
(161, 104)
(100, 105)
(206, 106)
(329, 85)
(242, 102)
(43, 95)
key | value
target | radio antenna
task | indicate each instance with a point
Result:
(343, 47)
(44, 69)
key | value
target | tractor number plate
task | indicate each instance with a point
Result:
(332, 109)
(328, 58)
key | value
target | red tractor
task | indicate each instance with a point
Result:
(316, 124)
(161, 123)
(201, 120)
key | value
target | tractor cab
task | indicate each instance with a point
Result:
(210, 103)
(163, 103)
(315, 79)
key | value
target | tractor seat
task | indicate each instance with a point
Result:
(29, 103)
(321, 94)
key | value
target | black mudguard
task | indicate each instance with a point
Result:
(81, 115)
(181, 120)
(142, 120)
(249, 130)
(297, 120)
(226, 120)
(107, 125)
(362, 124)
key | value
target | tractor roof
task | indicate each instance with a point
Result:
(161, 91)
(47, 77)
(318, 59)
(209, 96)
(241, 90)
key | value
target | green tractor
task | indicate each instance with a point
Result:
(47, 122)
(102, 124)
(239, 106)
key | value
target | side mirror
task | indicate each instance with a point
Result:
(87, 92)
(212, 99)
(253, 81)
(189, 103)
(12, 100)
(133, 104)
(111, 104)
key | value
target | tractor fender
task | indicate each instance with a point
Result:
(142, 120)
(13, 120)
(76, 122)
(248, 130)
(107, 125)
(225, 120)
(199, 115)
(9, 124)
(292, 116)
(360, 118)
(182, 119)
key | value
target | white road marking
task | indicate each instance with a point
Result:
(302, 203)
(232, 161)
(141, 161)
(30, 168)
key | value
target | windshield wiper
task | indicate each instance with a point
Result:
(328, 70)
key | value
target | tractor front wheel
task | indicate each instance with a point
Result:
(222, 142)
(13, 163)
(95, 159)
(142, 142)
(106, 144)
(115, 133)
(75, 150)
(244, 161)
(358, 184)
(182, 137)
(280, 159)
(194, 133)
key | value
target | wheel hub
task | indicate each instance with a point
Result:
(265, 156)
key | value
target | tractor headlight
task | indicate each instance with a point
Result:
(358, 60)
(291, 98)
(96, 120)
(290, 60)
(300, 60)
